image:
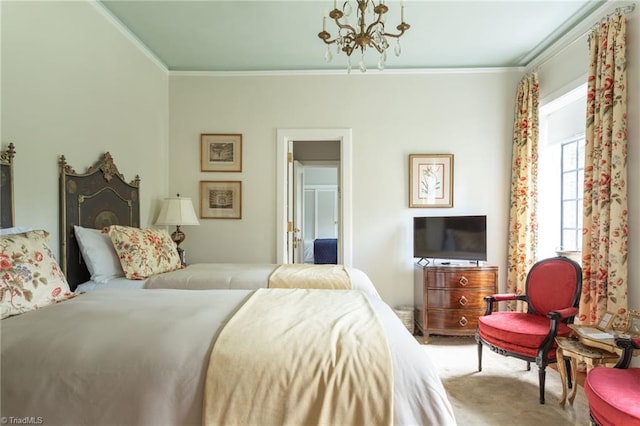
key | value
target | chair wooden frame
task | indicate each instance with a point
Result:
(566, 315)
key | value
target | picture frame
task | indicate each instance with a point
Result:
(221, 199)
(633, 323)
(221, 152)
(430, 180)
(606, 322)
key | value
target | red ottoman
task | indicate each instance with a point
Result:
(614, 396)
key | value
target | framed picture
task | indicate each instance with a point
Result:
(606, 323)
(633, 326)
(221, 152)
(221, 199)
(431, 180)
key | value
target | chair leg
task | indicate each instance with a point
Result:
(541, 378)
(567, 363)
(479, 356)
(528, 366)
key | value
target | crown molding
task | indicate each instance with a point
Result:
(376, 73)
(575, 33)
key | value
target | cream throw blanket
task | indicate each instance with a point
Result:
(310, 276)
(301, 357)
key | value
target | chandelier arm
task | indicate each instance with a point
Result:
(378, 48)
(325, 36)
(374, 23)
(344, 26)
(328, 41)
(402, 28)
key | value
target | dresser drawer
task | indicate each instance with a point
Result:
(460, 279)
(450, 321)
(450, 298)
(458, 298)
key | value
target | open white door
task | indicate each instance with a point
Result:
(290, 205)
(285, 194)
(298, 207)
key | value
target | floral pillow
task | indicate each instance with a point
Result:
(31, 277)
(144, 252)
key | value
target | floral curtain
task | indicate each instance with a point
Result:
(604, 244)
(524, 174)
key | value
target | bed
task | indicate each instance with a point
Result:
(168, 356)
(325, 251)
(101, 197)
(267, 356)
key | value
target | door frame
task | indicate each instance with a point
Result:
(283, 138)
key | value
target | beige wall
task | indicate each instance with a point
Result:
(466, 114)
(72, 84)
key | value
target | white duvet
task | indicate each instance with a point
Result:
(208, 276)
(138, 357)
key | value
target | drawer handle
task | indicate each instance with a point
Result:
(463, 281)
(463, 321)
(463, 301)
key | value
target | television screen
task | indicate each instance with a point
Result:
(450, 237)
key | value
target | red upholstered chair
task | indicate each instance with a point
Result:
(614, 393)
(552, 292)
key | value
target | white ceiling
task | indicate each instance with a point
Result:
(240, 35)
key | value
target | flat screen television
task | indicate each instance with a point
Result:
(450, 237)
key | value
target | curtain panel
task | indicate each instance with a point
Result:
(604, 243)
(524, 175)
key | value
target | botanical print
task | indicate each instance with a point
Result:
(605, 231)
(431, 181)
(523, 225)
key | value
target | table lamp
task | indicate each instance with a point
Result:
(177, 211)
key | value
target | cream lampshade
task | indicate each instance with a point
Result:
(177, 211)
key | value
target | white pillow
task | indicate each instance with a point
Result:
(14, 230)
(99, 254)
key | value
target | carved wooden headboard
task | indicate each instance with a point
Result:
(95, 199)
(6, 187)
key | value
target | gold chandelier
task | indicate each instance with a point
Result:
(366, 35)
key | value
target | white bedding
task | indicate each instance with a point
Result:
(139, 357)
(202, 276)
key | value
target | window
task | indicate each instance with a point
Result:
(561, 174)
(572, 177)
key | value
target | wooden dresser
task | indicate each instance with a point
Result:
(450, 298)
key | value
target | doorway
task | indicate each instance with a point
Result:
(316, 207)
(288, 227)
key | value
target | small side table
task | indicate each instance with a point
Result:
(575, 350)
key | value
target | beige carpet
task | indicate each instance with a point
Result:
(504, 392)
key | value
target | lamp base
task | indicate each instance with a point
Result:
(182, 255)
(178, 236)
